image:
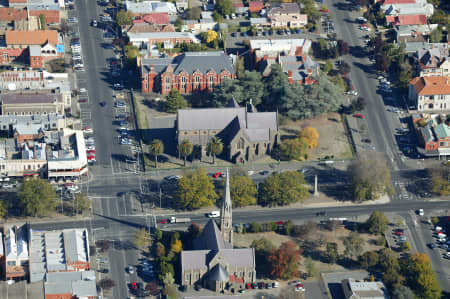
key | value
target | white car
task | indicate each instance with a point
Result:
(364, 28)
(214, 214)
(76, 57)
(88, 130)
(91, 147)
(7, 186)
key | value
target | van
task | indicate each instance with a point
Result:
(214, 214)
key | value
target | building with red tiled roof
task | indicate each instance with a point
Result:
(407, 20)
(387, 2)
(9, 14)
(255, 6)
(430, 93)
(51, 16)
(153, 18)
(22, 39)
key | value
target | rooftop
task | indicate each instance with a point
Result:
(284, 8)
(80, 284)
(150, 7)
(29, 98)
(39, 37)
(433, 85)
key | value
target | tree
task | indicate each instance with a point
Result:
(194, 230)
(194, 13)
(263, 247)
(436, 35)
(83, 203)
(124, 17)
(160, 249)
(106, 283)
(332, 253)
(420, 277)
(164, 266)
(42, 21)
(402, 292)
(285, 260)
(195, 190)
(131, 54)
(382, 62)
(294, 149)
(377, 223)
(175, 101)
(211, 36)
(368, 259)
(283, 189)
(358, 105)
(243, 191)
(185, 149)
(37, 198)
(328, 66)
(156, 148)
(3, 209)
(353, 245)
(158, 234)
(370, 176)
(439, 180)
(168, 279)
(405, 246)
(142, 239)
(343, 48)
(214, 147)
(224, 7)
(103, 245)
(170, 292)
(344, 68)
(311, 136)
(177, 246)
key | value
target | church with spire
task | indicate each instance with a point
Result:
(214, 263)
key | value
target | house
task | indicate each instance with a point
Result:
(434, 61)
(15, 243)
(31, 103)
(259, 23)
(247, 135)
(433, 134)
(353, 289)
(403, 20)
(157, 18)
(413, 33)
(418, 7)
(255, 6)
(149, 40)
(51, 13)
(430, 93)
(146, 7)
(300, 69)
(68, 285)
(214, 263)
(17, 3)
(57, 251)
(287, 15)
(188, 72)
(11, 14)
(147, 28)
(198, 26)
(262, 49)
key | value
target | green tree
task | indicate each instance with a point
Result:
(170, 292)
(436, 35)
(156, 148)
(283, 189)
(353, 245)
(439, 180)
(332, 253)
(368, 259)
(214, 147)
(420, 277)
(405, 246)
(42, 21)
(194, 13)
(294, 149)
(175, 101)
(142, 239)
(131, 54)
(243, 191)
(164, 266)
(253, 88)
(224, 7)
(285, 260)
(160, 249)
(402, 292)
(263, 247)
(124, 17)
(3, 209)
(377, 223)
(168, 279)
(158, 234)
(185, 149)
(195, 190)
(83, 203)
(371, 177)
(37, 198)
(328, 66)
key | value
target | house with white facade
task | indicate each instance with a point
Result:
(430, 93)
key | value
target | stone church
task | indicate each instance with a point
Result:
(214, 263)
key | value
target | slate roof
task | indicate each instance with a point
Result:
(208, 118)
(218, 273)
(191, 62)
(199, 259)
(29, 98)
(211, 238)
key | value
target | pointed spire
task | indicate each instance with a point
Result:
(226, 225)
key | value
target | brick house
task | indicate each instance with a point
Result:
(214, 263)
(11, 14)
(188, 72)
(50, 12)
(149, 40)
(433, 61)
(403, 20)
(255, 6)
(434, 137)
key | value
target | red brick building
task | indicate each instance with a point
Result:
(51, 16)
(188, 72)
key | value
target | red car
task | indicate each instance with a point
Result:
(280, 222)
(217, 175)
(398, 232)
(134, 286)
(82, 100)
(90, 152)
(162, 221)
(358, 115)
(91, 157)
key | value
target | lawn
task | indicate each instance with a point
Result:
(333, 140)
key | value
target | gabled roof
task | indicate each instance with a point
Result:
(12, 14)
(158, 18)
(38, 37)
(211, 238)
(431, 85)
(208, 118)
(386, 2)
(218, 273)
(407, 19)
(285, 8)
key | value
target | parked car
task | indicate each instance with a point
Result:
(358, 115)
(88, 130)
(84, 100)
(399, 232)
(217, 175)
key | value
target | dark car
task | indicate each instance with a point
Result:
(265, 172)
(118, 86)
(432, 245)
(103, 104)
(105, 271)
(82, 100)
(366, 140)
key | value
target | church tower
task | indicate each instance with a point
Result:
(226, 223)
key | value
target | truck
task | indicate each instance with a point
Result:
(179, 220)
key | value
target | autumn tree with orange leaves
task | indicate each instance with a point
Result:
(311, 136)
(285, 260)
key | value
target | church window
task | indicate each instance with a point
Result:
(167, 86)
(241, 144)
(211, 82)
(197, 82)
(183, 82)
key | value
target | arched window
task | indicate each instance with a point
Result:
(197, 82)
(167, 85)
(183, 82)
(241, 144)
(211, 81)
